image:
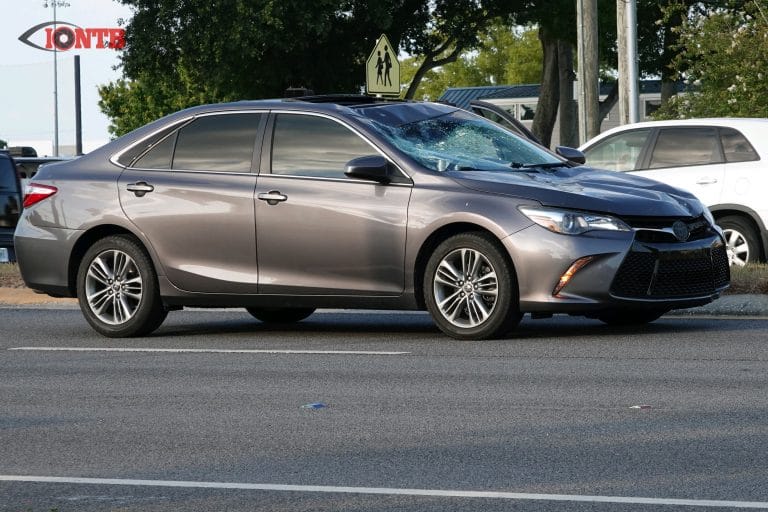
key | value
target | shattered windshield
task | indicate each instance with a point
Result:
(458, 140)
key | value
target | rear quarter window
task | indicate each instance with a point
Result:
(736, 147)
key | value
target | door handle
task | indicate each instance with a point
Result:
(140, 188)
(706, 181)
(272, 197)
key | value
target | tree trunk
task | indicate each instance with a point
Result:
(569, 128)
(430, 62)
(671, 41)
(668, 89)
(546, 110)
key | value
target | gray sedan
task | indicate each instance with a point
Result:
(285, 206)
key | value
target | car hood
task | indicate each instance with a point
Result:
(583, 188)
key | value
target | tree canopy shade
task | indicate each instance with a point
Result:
(723, 55)
(183, 52)
(505, 55)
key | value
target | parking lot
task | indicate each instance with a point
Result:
(380, 411)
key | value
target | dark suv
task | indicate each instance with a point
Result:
(10, 206)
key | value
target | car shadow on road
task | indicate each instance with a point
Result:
(388, 324)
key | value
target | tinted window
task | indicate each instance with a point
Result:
(736, 147)
(7, 175)
(314, 146)
(222, 142)
(131, 154)
(159, 157)
(619, 152)
(677, 147)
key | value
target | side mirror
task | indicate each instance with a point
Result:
(571, 154)
(372, 168)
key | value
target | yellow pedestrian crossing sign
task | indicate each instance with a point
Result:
(382, 69)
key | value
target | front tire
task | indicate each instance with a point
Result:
(117, 289)
(470, 288)
(741, 240)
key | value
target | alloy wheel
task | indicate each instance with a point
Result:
(737, 247)
(113, 287)
(465, 288)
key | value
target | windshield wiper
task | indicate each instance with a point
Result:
(543, 165)
(486, 169)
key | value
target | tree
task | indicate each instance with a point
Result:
(182, 52)
(506, 56)
(723, 54)
(179, 52)
(557, 34)
(3, 144)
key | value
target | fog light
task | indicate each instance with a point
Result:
(575, 267)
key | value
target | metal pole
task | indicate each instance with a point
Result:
(55, 88)
(78, 110)
(581, 76)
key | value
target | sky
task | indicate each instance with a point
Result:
(27, 75)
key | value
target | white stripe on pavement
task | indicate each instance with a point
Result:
(389, 491)
(209, 351)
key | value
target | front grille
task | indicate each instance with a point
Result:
(655, 274)
(659, 229)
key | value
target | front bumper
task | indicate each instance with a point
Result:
(626, 271)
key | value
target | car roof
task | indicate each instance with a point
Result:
(754, 128)
(344, 105)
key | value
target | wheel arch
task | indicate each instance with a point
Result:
(749, 215)
(436, 238)
(86, 240)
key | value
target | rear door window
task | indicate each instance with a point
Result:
(679, 147)
(219, 143)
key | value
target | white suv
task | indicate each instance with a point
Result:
(722, 161)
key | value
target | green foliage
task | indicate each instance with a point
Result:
(3, 144)
(723, 54)
(505, 56)
(133, 103)
(184, 52)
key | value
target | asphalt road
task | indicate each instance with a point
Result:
(565, 415)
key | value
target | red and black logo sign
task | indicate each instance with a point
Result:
(62, 36)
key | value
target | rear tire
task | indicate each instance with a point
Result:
(280, 315)
(470, 288)
(117, 289)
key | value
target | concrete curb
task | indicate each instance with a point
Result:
(727, 305)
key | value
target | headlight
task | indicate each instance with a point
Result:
(571, 222)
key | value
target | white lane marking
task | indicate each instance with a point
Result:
(209, 351)
(389, 491)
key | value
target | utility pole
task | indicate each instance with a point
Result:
(54, 4)
(588, 78)
(626, 26)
